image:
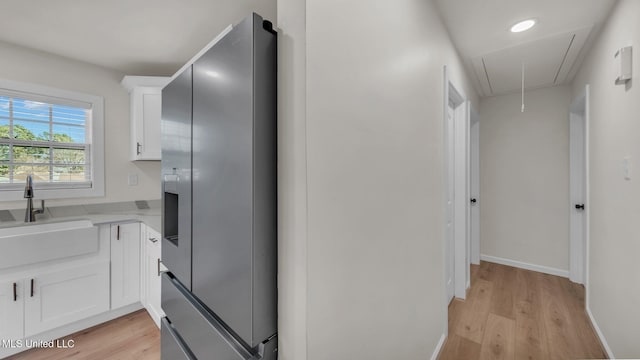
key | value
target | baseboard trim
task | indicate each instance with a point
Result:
(436, 352)
(603, 341)
(526, 266)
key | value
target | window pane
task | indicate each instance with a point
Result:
(4, 106)
(40, 173)
(69, 115)
(27, 154)
(4, 173)
(4, 153)
(68, 134)
(4, 128)
(68, 173)
(68, 156)
(30, 110)
(23, 120)
(30, 130)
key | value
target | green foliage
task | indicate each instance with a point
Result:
(35, 154)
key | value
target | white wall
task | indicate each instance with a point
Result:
(614, 270)
(367, 181)
(22, 64)
(524, 178)
(292, 181)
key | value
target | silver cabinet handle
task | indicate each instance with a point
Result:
(153, 240)
(138, 146)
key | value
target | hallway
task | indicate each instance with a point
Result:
(512, 313)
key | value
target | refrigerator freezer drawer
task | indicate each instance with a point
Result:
(172, 347)
(202, 333)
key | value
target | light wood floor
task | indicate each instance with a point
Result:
(509, 314)
(131, 337)
(518, 314)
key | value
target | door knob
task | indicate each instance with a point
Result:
(580, 206)
(473, 201)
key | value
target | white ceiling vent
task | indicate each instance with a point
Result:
(548, 61)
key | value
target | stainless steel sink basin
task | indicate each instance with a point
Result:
(34, 243)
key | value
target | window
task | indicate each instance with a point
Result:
(54, 135)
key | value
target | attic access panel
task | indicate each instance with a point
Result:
(548, 62)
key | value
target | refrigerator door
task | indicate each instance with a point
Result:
(202, 334)
(234, 180)
(222, 179)
(176, 176)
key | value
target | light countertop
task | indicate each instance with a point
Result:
(147, 212)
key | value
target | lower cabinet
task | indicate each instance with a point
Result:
(124, 272)
(125, 264)
(11, 311)
(59, 298)
(151, 268)
(46, 300)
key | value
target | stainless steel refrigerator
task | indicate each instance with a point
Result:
(219, 201)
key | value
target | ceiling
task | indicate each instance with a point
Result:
(137, 37)
(551, 51)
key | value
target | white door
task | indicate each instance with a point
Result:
(475, 188)
(578, 190)
(60, 298)
(449, 247)
(125, 264)
(11, 313)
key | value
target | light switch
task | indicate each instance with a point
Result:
(626, 167)
(133, 179)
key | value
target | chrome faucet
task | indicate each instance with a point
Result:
(30, 214)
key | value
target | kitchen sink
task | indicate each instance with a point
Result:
(34, 243)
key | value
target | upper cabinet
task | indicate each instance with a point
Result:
(146, 106)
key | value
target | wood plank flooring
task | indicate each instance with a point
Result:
(512, 313)
(131, 337)
(509, 314)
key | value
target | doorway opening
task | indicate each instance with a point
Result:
(579, 189)
(457, 192)
(474, 188)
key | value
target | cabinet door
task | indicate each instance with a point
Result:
(146, 112)
(62, 297)
(11, 311)
(125, 264)
(153, 280)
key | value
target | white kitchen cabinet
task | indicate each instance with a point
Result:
(62, 297)
(151, 275)
(11, 311)
(146, 105)
(125, 264)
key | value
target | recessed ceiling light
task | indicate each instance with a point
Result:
(523, 25)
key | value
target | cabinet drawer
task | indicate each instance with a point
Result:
(202, 334)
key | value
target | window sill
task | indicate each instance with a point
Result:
(46, 194)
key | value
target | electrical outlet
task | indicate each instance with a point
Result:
(133, 179)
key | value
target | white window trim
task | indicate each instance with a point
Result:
(97, 143)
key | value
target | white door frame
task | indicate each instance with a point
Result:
(579, 190)
(461, 187)
(474, 188)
